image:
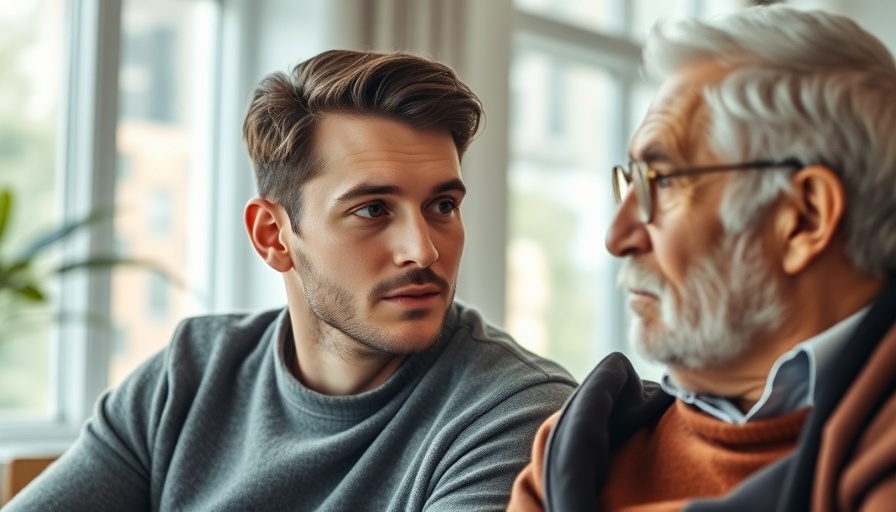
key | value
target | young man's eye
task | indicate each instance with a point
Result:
(371, 211)
(445, 206)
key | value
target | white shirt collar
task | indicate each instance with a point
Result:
(790, 384)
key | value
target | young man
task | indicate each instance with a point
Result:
(372, 389)
(757, 228)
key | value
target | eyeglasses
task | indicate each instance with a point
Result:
(639, 176)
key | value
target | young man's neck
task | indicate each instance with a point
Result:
(335, 367)
(327, 361)
(335, 372)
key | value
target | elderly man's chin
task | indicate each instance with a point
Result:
(728, 300)
(714, 339)
(651, 340)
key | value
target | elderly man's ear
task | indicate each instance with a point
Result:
(269, 227)
(807, 221)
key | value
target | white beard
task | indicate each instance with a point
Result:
(727, 300)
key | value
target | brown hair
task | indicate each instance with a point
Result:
(285, 110)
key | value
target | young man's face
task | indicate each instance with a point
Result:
(380, 233)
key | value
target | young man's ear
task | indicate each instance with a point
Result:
(269, 230)
(811, 216)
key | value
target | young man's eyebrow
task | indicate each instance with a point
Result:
(364, 190)
(369, 190)
(453, 185)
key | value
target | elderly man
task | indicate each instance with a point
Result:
(757, 229)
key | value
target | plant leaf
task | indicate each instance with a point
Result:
(62, 232)
(110, 262)
(5, 209)
(30, 292)
(15, 267)
(31, 318)
(15, 272)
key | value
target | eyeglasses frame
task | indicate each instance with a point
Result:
(645, 197)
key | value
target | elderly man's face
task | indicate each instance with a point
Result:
(698, 294)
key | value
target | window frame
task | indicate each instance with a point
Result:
(86, 157)
(86, 168)
(617, 55)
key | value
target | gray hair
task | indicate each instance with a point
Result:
(808, 85)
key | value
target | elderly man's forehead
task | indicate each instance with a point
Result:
(676, 115)
(666, 130)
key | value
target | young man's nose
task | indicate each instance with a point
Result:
(413, 243)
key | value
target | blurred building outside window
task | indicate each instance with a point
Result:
(165, 71)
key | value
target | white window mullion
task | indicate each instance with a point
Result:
(205, 99)
(88, 176)
(85, 170)
(575, 43)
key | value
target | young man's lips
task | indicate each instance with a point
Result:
(414, 292)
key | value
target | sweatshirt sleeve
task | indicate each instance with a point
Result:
(494, 449)
(108, 466)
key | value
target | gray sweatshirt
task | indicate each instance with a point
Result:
(217, 422)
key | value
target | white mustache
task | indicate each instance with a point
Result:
(633, 276)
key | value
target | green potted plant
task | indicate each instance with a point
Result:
(26, 274)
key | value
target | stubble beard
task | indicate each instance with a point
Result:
(728, 299)
(337, 314)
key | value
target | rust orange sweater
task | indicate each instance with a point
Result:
(689, 454)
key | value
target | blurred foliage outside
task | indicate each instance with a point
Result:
(30, 77)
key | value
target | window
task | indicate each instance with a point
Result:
(593, 15)
(164, 83)
(149, 60)
(66, 67)
(159, 304)
(160, 212)
(576, 98)
(558, 207)
(32, 62)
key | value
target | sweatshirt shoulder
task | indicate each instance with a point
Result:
(492, 350)
(229, 324)
(201, 338)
